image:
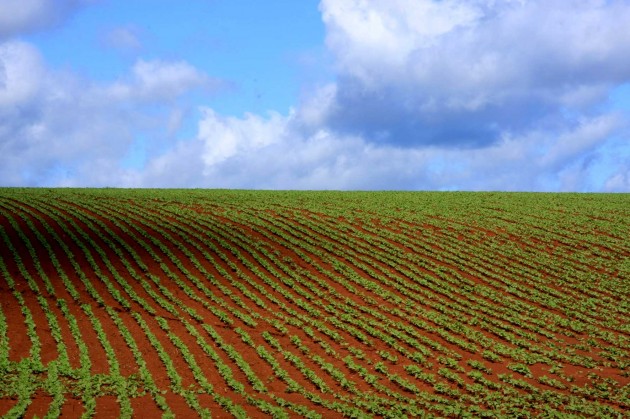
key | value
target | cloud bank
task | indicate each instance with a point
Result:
(441, 95)
(466, 73)
(59, 129)
(451, 94)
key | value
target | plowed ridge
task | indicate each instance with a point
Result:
(315, 304)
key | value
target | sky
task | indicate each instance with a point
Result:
(512, 95)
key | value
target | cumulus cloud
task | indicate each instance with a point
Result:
(273, 152)
(159, 80)
(463, 73)
(277, 152)
(225, 137)
(619, 182)
(20, 75)
(586, 135)
(451, 94)
(58, 129)
(24, 16)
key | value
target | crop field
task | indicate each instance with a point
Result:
(224, 303)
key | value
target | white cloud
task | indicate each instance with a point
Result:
(473, 45)
(56, 128)
(20, 74)
(23, 16)
(451, 94)
(619, 182)
(462, 73)
(586, 136)
(276, 152)
(316, 108)
(374, 40)
(159, 80)
(225, 137)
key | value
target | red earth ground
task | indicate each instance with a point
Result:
(319, 290)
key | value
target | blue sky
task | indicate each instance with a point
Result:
(258, 51)
(332, 94)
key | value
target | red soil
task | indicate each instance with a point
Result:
(39, 405)
(251, 248)
(6, 404)
(107, 407)
(72, 408)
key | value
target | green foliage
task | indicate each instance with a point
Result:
(357, 304)
(521, 369)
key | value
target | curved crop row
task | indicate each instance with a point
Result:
(313, 304)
